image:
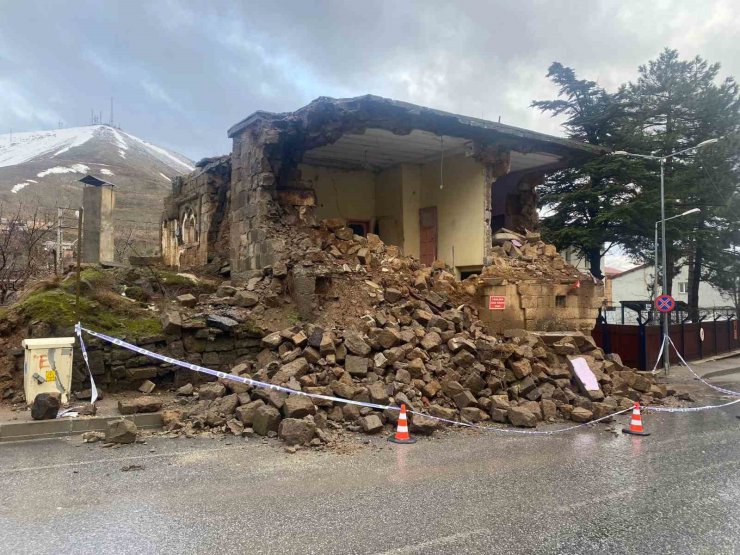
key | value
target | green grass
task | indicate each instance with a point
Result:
(251, 328)
(172, 279)
(117, 317)
(90, 278)
(93, 275)
(294, 318)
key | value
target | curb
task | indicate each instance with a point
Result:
(718, 357)
(719, 373)
(45, 429)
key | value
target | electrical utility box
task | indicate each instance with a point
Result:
(47, 366)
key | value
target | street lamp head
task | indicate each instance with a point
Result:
(620, 153)
(692, 211)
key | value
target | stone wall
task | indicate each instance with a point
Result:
(193, 230)
(537, 305)
(115, 368)
(254, 195)
(521, 205)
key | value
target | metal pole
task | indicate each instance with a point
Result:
(666, 321)
(79, 263)
(58, 269)
(655, 264)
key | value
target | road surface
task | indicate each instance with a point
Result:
(589, 491)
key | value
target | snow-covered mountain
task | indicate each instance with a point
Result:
(43, 168)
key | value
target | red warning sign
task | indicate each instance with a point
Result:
(496, 302)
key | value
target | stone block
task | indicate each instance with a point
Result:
(294, 431)
(121, 431)
(266, 419)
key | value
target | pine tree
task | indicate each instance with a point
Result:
(673, 105)
(587, 206)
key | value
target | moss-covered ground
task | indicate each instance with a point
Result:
(102, 312)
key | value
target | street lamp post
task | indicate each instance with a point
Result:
(662, 160)
(655, 259)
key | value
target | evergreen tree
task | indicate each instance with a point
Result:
(673, 105)
(587, 206)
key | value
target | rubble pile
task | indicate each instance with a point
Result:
(517, 256)
(418, 341)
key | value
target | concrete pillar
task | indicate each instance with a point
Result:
(98, 203)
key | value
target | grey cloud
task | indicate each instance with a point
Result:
(183, 72)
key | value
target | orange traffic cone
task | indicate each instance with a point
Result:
(636, 428)
(402, 431)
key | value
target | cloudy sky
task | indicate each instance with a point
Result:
(183, 72)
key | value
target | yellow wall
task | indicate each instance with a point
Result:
(411, 203)
(393, 197)
(460, 207)
(388, 205)
(348, 194)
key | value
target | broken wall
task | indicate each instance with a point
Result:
(348, 194)
(541, 306)
(267, 178)
(195, 229)
(514, 202)
(272, 193)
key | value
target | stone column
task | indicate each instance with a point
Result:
(253, 191)
(98, 203)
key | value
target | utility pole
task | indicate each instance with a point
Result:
(58, 269)
(666, 315)
(662, 160)
(79, 263)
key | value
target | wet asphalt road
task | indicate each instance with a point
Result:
(589, 491)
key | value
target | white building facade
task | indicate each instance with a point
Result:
(636, 285)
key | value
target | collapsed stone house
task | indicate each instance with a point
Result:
(435, 184)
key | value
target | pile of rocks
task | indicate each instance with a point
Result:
(416, 344)
(524, 256)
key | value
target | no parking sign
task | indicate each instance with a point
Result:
(665, 303)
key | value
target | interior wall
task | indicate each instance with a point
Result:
(460, 208)
(389, 205)
(503, 187)
(411, 196)
(348, 194)
(392, 200)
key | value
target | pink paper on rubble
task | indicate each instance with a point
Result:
(584, 373)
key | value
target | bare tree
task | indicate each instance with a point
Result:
(23, 253)
(124, 242)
